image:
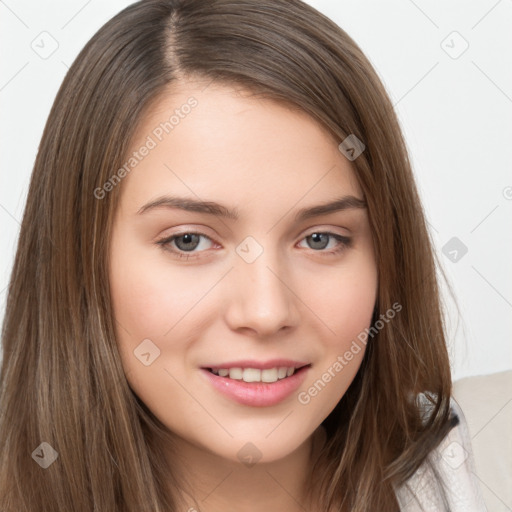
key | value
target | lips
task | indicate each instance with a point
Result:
(257, 384)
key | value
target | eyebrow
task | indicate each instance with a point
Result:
(212, 208)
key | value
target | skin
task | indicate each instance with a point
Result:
(294, 301)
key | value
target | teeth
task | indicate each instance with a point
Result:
(256, 375)
(269, 375)
(251, 375)
(235, 373)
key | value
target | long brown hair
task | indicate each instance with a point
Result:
(62, 381)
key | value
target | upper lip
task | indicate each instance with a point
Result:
(260, 365)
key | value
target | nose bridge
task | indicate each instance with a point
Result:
(262, 298)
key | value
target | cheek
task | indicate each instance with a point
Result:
(152, 301)
(345, 305)
(150, 298)
(345, 299)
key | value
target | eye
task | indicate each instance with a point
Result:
(183, 245)
(319, 240)
(185, 242)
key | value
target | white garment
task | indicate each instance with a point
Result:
(453, 460)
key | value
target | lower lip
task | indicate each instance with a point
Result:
(257, 394)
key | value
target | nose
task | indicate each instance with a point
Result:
(262, 298)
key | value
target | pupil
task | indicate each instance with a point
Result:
(186, 240)
(316, 239)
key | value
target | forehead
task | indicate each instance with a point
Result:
(225, 143)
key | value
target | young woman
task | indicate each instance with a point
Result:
(224, 294)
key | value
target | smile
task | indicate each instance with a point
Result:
(257, 387)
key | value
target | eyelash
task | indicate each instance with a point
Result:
(345, 242)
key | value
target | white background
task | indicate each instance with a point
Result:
(455, 109)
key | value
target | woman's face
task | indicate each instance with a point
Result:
(276, 283)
